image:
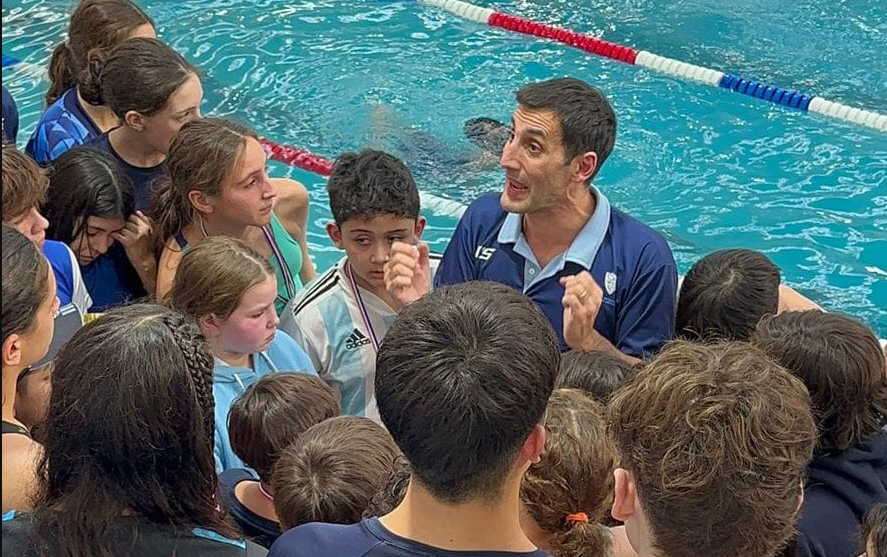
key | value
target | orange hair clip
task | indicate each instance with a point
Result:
(576, 518)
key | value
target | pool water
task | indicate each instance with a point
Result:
(708, 168)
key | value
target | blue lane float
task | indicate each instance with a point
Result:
(9, 61)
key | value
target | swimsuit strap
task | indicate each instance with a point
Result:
(9, 427)
(284, 267)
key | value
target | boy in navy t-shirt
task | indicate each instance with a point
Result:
(462, 381)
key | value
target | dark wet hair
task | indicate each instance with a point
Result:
(393, 490)
(488, 134)
(95, 24)
(371, 183)
(129, 430)
(273, 412)
(598, 374)
(25, 281)
(330, 473)
(85, 183)
(587, 120)
(842, 364)
(725, 294)
(139, 74)
(462, 378)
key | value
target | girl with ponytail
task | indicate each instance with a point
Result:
(218, 185)
(70, 119)
(127, 467)
(567, 494)
(153, 91)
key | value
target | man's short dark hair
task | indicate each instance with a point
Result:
(725, 294)
(273, 412)
(842, 364)
(369, 184)
(596, 373)
(462, 377)
(588, 122)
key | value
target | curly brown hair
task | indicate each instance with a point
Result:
(575, 474)
(717, 438)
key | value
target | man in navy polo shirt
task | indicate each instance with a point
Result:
(604, 280)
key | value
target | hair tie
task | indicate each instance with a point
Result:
(577, 518)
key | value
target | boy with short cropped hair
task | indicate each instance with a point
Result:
(272, 413)
(713, 443)
(842, 364)
(332, 472)
(342, 316)
(463, 380)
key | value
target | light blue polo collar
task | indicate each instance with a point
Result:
(584, 247)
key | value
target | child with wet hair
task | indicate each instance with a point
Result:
(267, 418)
(332, 471)
(598, 374)
(567, 494)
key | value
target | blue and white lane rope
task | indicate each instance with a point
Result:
(669, 66)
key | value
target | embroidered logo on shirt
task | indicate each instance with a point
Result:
(355, 340)
(484, 254)
(610, 283)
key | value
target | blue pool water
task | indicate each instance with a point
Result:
(709, 168)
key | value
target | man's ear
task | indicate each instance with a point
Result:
(626, 496)
(420, 227)
(134, 120)
(586, 164)
(335, 234)
(12, 350)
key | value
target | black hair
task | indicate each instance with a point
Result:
(139, 74)
(371, 183)
(587, 120)
(462, 377)
(725, 294)
(85, 183)
(129, 431)
(488, 134)
(598, 374)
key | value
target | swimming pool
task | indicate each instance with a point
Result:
(708, 168)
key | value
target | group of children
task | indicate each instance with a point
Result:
(177, 381)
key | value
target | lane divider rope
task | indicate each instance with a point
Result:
(669, 66)
(306, 160)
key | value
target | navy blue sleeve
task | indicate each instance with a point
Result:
(646, 320)
(10, 117)
(458, 262)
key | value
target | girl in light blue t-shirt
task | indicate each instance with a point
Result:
(230, 289)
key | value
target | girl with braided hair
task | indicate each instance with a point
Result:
(128, 466)
(229, 289)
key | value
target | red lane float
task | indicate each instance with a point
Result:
(571, 38)
(294, 156)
